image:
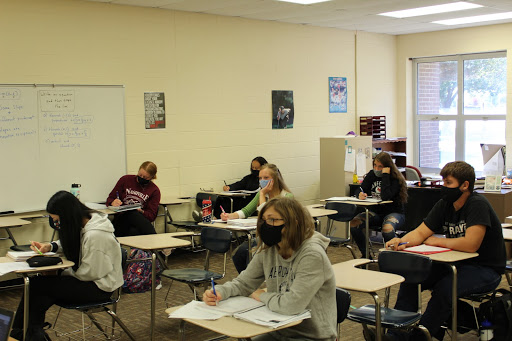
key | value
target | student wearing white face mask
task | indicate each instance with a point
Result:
(272, 186)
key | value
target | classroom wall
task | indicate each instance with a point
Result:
(460, 41)
(217, 74)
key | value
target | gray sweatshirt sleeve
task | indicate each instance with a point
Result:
(309, 277)
(247, 282)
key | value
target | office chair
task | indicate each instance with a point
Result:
(412, 173)
(94, 307)
(343, 299)
(415, 269)
(214, 240)
(346, 212)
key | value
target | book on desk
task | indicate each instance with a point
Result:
(240, 307)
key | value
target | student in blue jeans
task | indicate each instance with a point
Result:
(470, 225)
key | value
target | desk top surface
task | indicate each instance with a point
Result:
(172, 200)
(360, 202)
(229, 227)
(154, 241)
(448, 256)
(351, 278)
(10, 221)
(317, 211)
(232, 327)
(507, 234)
(65, 264)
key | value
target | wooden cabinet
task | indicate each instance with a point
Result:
(334, 181)
(396, 147)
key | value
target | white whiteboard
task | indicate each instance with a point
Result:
(52, 136)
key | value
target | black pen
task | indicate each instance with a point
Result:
(225, 183)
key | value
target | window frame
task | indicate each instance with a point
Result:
(460, 119)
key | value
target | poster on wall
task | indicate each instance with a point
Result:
(282, 109)
(337, 94)
(154, 107)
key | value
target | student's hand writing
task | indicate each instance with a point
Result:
(268, 187)
(256, 295)
(116, 202)
(210, 299)
(43, 247)
(393, 244)
(224, 216)
(140, 210)
(386, 170)
(225, 188)
(362, 195)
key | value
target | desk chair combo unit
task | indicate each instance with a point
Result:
(346, 212)
(415, 269)
(343, 299)
(109, 332)
(214, 240)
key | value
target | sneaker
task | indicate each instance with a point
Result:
(159, 286)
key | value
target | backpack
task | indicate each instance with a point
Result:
(137, 277)
(498, 311)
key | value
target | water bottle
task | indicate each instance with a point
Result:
(207, 210)
(75, 190)
(486, 332)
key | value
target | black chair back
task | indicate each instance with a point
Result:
(413, 267)
(346, 212)
(216, 239)
(342, 304)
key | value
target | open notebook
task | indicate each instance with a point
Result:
(123, 208)
(244, 308)
(426, 249)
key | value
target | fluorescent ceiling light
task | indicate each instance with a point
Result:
(304, 2)
(477, 18)
(415, 12)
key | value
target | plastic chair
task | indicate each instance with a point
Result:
(214, 240)
(343, 299)
(412, 173)
(94, 307)
(346, 212)
(415, 269)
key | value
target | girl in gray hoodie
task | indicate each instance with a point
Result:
(293, 263)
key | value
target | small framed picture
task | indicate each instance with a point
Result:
(492, 183)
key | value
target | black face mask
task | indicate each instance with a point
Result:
(142, 181)
(255, 172)
(450, 195)
(270, 235)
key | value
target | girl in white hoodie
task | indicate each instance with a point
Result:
(293, 263)
(87, 239)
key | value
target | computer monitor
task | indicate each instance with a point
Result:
(6, 319)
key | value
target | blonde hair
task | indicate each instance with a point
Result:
(298, 224)
(149, 167)
(276, 176)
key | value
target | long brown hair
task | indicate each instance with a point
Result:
(149, 167)
(298, 224)
(386, 161)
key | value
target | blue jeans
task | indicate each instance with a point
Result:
(396, 220)
(471, 279)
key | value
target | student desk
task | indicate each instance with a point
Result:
(228, 326)
(153, 243)
(247, 231)
(351, 278)
(6, 222)
(318, 211)
(507, 234)
(230, 195)
(170, 201)
(365, 205)
(25, 273)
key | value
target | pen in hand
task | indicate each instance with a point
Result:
(35, 247)
(225, 182)
(404, 243)
(213, 289)
(117, 193)
(222, 209)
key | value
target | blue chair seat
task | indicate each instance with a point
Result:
(390, 318)
(191, 275)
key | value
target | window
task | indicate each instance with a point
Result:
(460, 102)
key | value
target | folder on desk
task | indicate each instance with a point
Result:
(124, 207)
(426, 249)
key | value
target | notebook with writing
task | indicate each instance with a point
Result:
(6, 319)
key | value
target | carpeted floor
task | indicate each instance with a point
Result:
(134, 309)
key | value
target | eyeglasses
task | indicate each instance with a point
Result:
(272, 221)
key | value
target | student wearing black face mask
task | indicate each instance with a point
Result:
(470, 225)
(136, 189)
(292, 261)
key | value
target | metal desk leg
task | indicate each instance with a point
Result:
(25, 305)
(231, 210)
(249, 240)
(454, 303)
(182, 330)
(153, 293)
(367, 239)
(166, 215)
(378, 329)
(11, 237)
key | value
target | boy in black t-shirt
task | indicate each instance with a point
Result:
(470, 225)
